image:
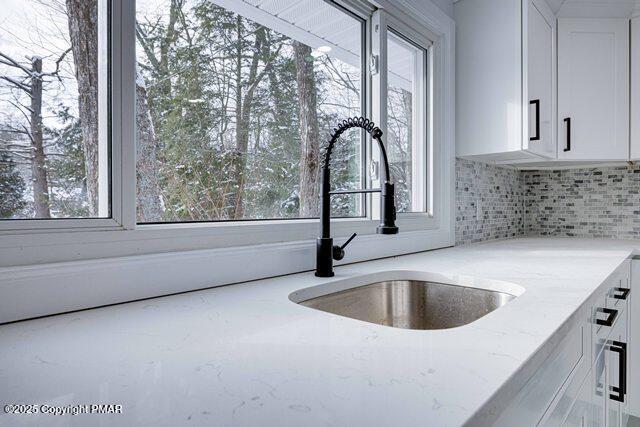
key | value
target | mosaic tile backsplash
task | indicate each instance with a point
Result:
(594, 202)
(489, 202)
(496, 203)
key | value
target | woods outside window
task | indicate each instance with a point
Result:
(54, 110)
(233, 103)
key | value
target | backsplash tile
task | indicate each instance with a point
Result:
(500, 194)
(594, 202)
(602, 202)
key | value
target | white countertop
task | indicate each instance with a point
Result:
(245, 355)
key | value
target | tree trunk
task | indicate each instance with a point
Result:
(309, 133)
(236, 157)
(149, 206)
(83, 30)
(243, 120)
(40, 181)
(162, 65)
(165, 45)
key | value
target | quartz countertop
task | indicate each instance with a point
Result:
(246, 355)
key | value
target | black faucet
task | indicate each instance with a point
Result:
(326, 252)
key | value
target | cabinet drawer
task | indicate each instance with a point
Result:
(554, 376)
(571, 370)
(619, 285)
(611, 304)
(601, 333)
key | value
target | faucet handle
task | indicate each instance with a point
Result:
(338, 251)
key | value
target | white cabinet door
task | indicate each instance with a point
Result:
(489, 96)
(633, 328)
(593, 89)
(635, 88)
(541, 29)
(598, 390)
(505, 59)
(616, 359)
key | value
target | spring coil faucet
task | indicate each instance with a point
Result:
(326, 252)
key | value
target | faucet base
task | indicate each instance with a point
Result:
(324, 257)
(385, 229)
(324, 275)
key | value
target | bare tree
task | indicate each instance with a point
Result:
(38, 164)
(159, 60)
(30, 82)
(157, 50)
(244, 94)
(309, 132)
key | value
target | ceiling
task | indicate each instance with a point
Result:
(320, 25)
(595, 8)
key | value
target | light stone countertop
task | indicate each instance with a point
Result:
(245, 355)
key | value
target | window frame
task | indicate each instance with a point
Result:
(110, 14)
(423, 91)
(121, 235)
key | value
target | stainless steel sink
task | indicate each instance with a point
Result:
(411, 304)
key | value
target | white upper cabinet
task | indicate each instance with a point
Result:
(593, 89)
(541, 61)
(635, 88)
(505, 80)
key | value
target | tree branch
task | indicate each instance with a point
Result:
(19, 108)
(17, 84)
(13, 63)
(58, 61)
(142, 38)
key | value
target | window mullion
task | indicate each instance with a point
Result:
(378, 67)
(124, 108)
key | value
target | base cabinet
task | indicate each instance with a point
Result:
(591, 365)
(603, 396)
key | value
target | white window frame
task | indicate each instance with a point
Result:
(422, 175)
(31, 245)
(110, 181)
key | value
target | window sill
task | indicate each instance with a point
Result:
(37, 246)
(127, 278)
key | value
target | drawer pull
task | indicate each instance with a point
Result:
(621, 293)
(611, 316)
(621, 389)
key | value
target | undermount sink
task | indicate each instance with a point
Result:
(411, 304)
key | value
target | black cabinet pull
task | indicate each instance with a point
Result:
(621, 389)
(568, 122)
(536, 102)
(624, 293)
(611, 316)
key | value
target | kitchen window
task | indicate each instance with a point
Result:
(407, 120)
(210, 115)
(54, 112)
(234, 102)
